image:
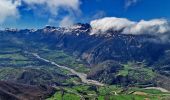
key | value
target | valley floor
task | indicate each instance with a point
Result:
(135, 94)
(68, 74)
(82, 76)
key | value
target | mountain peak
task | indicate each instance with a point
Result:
(50, 27)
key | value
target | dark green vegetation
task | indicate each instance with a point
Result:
(131, 73)
(23, 67)
(20, 65)
(62, 58)
(125, 63)
(15, 91)
(86, 92)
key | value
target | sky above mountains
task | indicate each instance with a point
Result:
(38, 13)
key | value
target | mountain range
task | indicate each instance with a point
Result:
(111, 57)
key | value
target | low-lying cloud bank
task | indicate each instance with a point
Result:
(152, 27)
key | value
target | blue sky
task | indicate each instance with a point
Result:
(31, 14)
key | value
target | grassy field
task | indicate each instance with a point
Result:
(138, 72)
(107, 93)
(14, 62)
(17, 65)
(62, 58)
(14, 57)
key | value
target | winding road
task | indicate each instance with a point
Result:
(157, 88)
(82, 76)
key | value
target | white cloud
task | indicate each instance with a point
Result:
(129, 3)
(8, 8)
(154, 27)
(66, 21)
(54, 5)
(109, 23)
(52, 22)
(98, 14)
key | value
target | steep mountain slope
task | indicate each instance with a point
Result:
(108, 55)
(14, 91)
(96, 48)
